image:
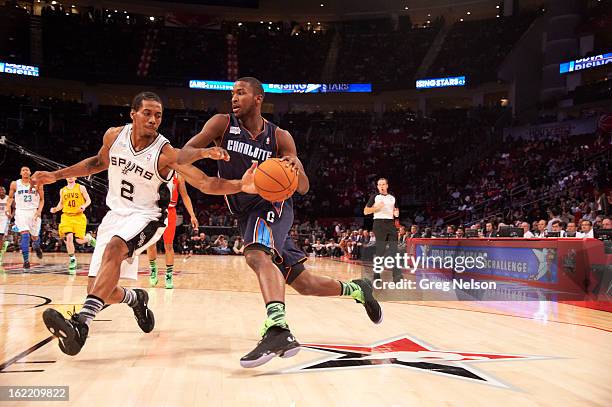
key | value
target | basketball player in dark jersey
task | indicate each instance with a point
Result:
(243, 137)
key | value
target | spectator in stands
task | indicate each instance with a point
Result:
(319, 248)
(556, 227)
(553, 214)
(489, 230)
(526, 232)
(571, 230)
(414, 232)
(238, 247)
(586, 229)
(220, 246)
(541, 230)
(450, 231)
(307, 247)
(606, 223)
(460, 234)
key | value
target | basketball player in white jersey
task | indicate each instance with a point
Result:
(140, 162)
(29, 202)
(4, 223)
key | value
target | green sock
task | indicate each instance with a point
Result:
(4, 247)
(276, 316)
(153, 266)
(350, 289)
(169, 269)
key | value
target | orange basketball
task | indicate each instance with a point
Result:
(274, 181)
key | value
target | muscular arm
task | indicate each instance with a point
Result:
(11, 198)
(41, 203)
(86, 196)
(212, 131)
(197, 178)
(186, 199)
(88, 166)
(286, 148)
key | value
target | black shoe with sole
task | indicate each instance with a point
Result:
(277, 341)
(371, 305)
(71, 333)
(26, 264)
(144, 316)
(39, 253)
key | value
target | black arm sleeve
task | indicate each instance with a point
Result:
(371, 201)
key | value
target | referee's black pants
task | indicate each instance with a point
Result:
(386, 241)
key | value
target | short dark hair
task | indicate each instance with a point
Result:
(255, 84)
(382, 179)
(137, 101)
(556, 223)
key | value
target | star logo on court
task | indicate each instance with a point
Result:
(406, 352)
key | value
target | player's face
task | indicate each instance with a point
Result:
(2, 192)
(71, 180)
(148, 118)
(25, 172)
(244, 101)
(382, 186)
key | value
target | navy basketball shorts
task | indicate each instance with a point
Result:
(266, 227)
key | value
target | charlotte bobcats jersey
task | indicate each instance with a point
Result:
(244, 149)
(72, 199)
(134, 182)
(26, 198)
(173, 185)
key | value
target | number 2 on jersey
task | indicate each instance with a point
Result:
(127, 190)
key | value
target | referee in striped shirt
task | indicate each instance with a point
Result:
(384, 208)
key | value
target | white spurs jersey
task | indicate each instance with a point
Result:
(26, 197)
(134, 182)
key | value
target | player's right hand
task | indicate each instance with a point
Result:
(248, 180)
(53, 210)
(43, 177)
(215, 153)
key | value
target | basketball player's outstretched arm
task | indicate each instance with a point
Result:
(187, 202)
(11, 198)
(288, 152)
(201, 181)
(213, 131)
(88, 166)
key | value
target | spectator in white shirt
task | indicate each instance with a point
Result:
(586, 227)
(527, 233)
(541, 231)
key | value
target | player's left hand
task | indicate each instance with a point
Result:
(293, 162)
(82, 208)
(248, 180)
(215, 153)
(194, 223)
(43, 177)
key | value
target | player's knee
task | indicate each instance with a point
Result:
(116, 248)
(256, 259)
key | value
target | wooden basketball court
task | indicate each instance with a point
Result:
(424, 353)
